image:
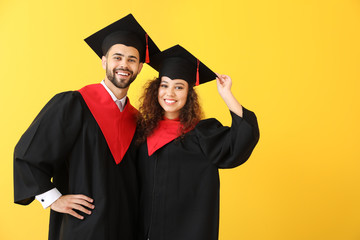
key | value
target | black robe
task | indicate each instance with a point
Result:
(179, 197)
(66, 143)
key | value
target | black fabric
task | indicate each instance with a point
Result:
(65, 143)
(178, 63)
(126, 38)
(180, 182)
(127, 29)
(178, 68)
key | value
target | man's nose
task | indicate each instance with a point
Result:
(124, 64)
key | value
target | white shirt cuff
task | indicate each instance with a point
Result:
(47, 198)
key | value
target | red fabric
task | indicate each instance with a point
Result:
(147, 57)
(166, 131)
(117, 127)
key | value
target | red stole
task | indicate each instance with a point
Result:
(117, 127)
(166, 131)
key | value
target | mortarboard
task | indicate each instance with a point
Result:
(177, 63)
(125, 31)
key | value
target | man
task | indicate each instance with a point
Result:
(80, 141)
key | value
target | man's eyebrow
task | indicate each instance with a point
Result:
(119, 54)
(122, 55)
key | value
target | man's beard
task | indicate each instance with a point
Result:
(111, 75)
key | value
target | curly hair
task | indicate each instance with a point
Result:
(150, 111)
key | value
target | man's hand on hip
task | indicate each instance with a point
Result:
(68, 203)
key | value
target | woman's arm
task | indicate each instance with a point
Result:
(224, 84)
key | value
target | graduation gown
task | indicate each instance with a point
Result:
(179, 182)
(66, 144)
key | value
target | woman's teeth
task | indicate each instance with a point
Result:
(169, 101)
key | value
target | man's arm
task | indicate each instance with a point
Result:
(47, 198)
(42, 150)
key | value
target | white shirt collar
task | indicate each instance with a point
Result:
(122, 101)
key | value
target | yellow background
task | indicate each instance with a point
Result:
(295, 63)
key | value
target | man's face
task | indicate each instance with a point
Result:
(122, 65)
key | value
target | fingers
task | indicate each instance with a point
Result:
(219, 78)
(84, 203)
(223, 78)
(81, 209)
(84, 197)
(223, 81)
(75, 214)
(221, 75)
(68, 203)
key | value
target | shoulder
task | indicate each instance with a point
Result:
(208, 123)
(207, 126)
(62, 102)
(66, 96)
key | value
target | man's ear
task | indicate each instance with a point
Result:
(103, 62)
(140, 67)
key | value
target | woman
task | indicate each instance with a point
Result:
(180, 154)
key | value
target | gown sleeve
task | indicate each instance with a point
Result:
(44, 146)
(228, 147)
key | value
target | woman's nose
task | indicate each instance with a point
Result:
(170, 91)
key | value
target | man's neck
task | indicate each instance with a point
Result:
(118, 92)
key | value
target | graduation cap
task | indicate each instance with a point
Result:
(125, 31)
(177, 63)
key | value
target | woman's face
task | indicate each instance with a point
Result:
(172, 96)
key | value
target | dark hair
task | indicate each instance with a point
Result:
(150, 111)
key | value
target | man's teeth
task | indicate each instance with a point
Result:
(169, 101)
(122, 74)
